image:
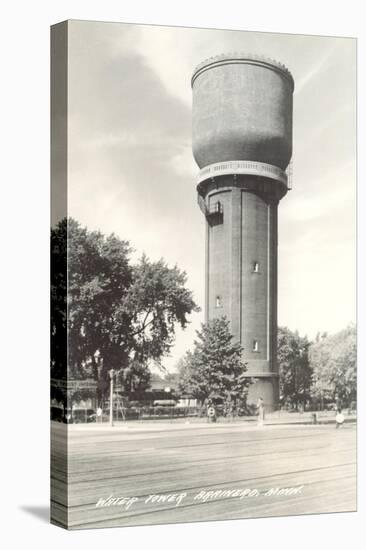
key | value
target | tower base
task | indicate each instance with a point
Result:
(268, 389)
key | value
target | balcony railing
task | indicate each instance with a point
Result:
(289, 173)
(214, 213)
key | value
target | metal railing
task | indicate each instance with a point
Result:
(289, 173)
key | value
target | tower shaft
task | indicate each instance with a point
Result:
(241, 275)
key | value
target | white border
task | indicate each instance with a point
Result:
(25, 271)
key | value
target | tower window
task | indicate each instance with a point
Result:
(216, 208)
(255, 267)
(255, 345)
(215, 213)
(218, 301)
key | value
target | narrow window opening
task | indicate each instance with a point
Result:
(218, 301)
(255, 267)
(217, 208)
(255, 345)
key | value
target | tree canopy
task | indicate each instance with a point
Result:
(294, 369)
(214, 368)
(323, 370)
(333, 360)
(119, 315)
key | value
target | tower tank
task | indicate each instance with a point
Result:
(242, 143)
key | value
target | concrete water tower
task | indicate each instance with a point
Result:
(242, 143)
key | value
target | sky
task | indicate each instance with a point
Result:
(131, 171)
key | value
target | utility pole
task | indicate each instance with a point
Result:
(111, 374)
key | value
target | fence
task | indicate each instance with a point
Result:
(147, 412)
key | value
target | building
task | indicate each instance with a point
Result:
(242, 143)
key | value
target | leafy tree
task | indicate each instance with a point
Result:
(295, 371)
(136, 377)
(99, 276)
(156, 301)
(59, 304)
(333, 359)
(215, 367)
(118, 315)
(187, 384)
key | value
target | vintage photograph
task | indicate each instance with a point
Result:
(203, 274)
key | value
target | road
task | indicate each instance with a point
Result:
(202, 472)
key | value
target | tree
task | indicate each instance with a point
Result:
(99, 276)
(58, 304)
(187, 384)
(156, 301)
(294, 369)
(136, 377)
(117, 313)
(333, 359)
(215, 367)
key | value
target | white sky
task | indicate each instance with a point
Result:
(131, 169)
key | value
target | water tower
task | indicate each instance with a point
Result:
(242, 143)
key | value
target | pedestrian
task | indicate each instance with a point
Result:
(339, 418)
(260, 409)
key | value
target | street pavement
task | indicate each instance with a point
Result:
(147, 474)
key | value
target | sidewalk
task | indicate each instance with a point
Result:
(272, 420)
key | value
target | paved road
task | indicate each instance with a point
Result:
(195, 473)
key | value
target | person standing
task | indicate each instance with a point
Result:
(339, 418)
